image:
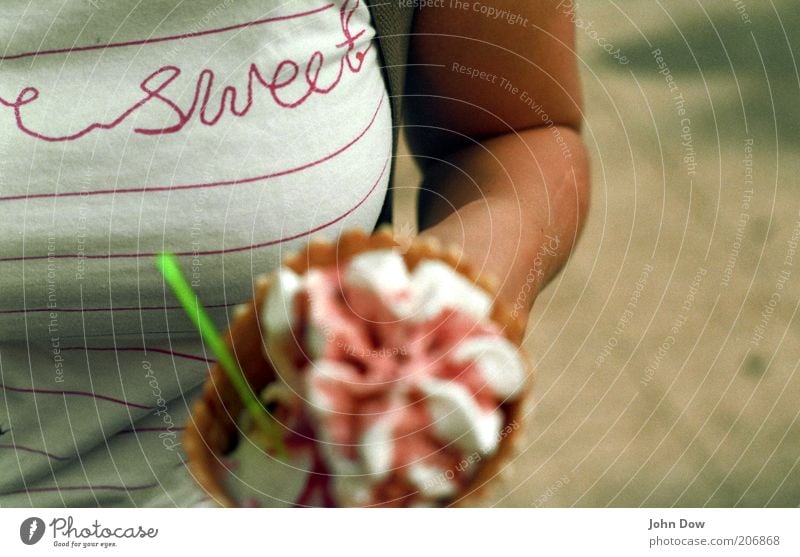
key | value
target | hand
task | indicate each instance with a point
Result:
(515, 208)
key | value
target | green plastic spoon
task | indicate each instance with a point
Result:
(167, 264)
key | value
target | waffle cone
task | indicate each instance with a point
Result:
(212, 430)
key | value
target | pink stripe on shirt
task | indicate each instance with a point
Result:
(210, 252)
(71, 50)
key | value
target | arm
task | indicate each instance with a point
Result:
(505, 170)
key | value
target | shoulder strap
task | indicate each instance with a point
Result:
(392, 21)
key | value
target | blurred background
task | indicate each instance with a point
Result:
(667, 351)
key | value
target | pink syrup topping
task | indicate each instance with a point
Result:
(402, 377)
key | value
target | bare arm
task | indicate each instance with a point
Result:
(505, 170)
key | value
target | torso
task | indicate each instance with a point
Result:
(177, 126)
(223, 131)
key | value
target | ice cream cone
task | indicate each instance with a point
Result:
(212, 430)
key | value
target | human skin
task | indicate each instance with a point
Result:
(500, 180)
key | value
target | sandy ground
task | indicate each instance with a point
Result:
(667, 351)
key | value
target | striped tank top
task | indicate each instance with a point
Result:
(224, 131)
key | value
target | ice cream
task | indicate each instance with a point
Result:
(391, 383)
(393, 377)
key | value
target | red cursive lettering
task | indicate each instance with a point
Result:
(157, 85)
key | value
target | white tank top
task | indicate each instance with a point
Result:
(226, 131)
(223, 131)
